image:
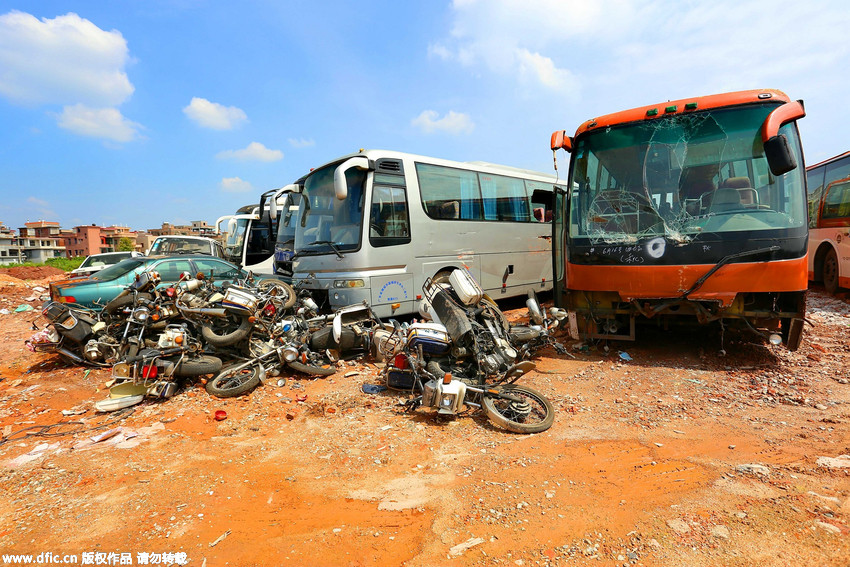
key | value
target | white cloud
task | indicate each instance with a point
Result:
(64, 60)
(254, 152)
(453, 122)
(301, 143)
(106, 123)
(213, 115)
(235, 185)
(649, 49)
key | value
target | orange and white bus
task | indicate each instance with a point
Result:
(694, 207)
(829, 222)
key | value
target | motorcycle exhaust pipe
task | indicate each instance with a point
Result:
(75, 357)
(211, 311)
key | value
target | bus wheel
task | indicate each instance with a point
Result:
(830, 272)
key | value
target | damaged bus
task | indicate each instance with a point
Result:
(373, 226)
(690, 210)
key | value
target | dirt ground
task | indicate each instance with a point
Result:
(677, 449)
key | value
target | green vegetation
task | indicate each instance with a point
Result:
(64, 264)
(126, 245)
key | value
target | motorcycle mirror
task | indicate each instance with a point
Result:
(337, 328)
(534, 312)
(558, 314)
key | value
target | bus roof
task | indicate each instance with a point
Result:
(473, 165)
(683, 106)
(824, 162)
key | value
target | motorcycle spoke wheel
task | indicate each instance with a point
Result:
(230, 383)
(534, 414)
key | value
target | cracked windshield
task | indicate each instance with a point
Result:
(681, 176)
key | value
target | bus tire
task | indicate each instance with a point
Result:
(830, 271)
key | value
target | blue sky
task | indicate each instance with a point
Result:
(135, 112)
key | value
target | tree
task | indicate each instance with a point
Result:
(126, 245)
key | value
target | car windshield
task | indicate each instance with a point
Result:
(104, 259)
(327, 224)
(118, 270)
(683, 175)
(180, 246)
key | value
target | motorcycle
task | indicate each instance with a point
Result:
(75, 334)
(541, 332)
(464, 358)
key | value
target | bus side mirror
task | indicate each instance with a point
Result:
(778, 152)
(779, 156)
(560, 140)
(340, 185)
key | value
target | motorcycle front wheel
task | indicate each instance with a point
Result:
(230, 382)
(533, 415)
(312, 369)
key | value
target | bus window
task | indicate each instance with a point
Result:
(390, 224)
(504, 198)
(449, 193)
(836, 203)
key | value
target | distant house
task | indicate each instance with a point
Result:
(40, 241)
(10, 251)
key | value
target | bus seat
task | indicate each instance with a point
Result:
(726, 199)
(749, 196)
(539, 213)
(450, 210)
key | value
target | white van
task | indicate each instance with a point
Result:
(176, 244)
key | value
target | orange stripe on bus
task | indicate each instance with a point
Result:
(633, 282)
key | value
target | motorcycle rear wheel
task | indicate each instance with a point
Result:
(212, 336)
(536, 414)
(198, 366)
(230, 383)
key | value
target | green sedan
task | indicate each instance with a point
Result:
(97, 290)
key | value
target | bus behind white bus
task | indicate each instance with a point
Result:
(829, 222)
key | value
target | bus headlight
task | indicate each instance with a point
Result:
(349, 283)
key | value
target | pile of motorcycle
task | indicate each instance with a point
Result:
(242, 332)
(469, 356)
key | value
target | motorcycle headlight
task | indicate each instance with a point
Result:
(447, 400)
(141, 314)
(290, 354)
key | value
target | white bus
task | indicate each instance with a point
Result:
(374, 225)
(829, 222)
(251, 233)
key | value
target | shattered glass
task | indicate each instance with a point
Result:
(678, 176)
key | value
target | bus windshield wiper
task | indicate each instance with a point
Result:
(330, 243)
(723, 261)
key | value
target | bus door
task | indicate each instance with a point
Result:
(559, 245)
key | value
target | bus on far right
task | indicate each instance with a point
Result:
(829, 222)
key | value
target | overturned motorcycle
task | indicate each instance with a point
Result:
(464, 359)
